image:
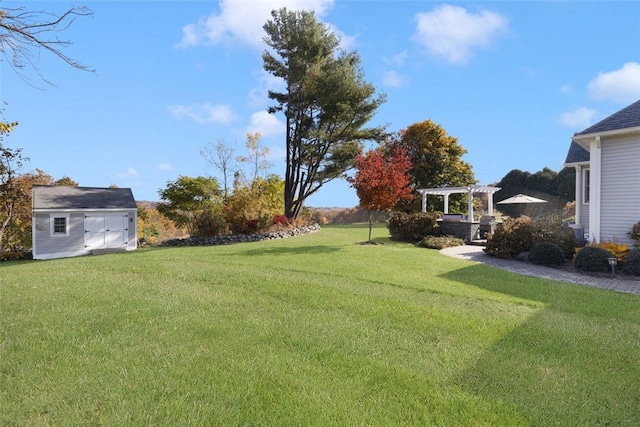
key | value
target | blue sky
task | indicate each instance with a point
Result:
(512, 80)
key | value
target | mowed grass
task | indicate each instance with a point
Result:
(313, 330)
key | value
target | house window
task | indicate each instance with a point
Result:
(586, 184)
(59, 225)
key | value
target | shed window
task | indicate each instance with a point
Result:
(59, 225)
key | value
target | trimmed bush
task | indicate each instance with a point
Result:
(546, 253)
(512, 237)
(563, 236)
(633, 262)
(440, 242)
(412, 227)
(517, 235)
(593, 258)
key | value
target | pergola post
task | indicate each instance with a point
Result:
(446, 203)
(490, 203)
(470, 205)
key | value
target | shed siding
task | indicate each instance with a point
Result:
(47, 246)
(620, 198)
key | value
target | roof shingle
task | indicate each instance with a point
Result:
(628, 117)
(63, 197)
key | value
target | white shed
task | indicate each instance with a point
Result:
(73, 221)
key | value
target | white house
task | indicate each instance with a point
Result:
(606, 157)
(73, 221)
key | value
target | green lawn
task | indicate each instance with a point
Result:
(313, 330)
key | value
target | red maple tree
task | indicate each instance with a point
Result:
(381, 180)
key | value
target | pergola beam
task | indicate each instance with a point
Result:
(470, 190)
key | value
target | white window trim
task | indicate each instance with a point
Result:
(52, 217)
(585, 190)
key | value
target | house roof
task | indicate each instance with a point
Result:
(628, 117)
(577, 154)
(63, 197)
(625, 120)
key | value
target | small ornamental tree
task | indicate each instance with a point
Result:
(381, 180)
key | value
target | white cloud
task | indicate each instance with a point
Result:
(620, 86)
(164, 167)
(579, 118)
(394, 79)
(130, 173)
(452, 33)
(568, 88)
(397, 60)
(266, 124)
(204, 113)
(242, 20)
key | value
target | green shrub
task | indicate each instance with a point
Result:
(592, 258)
(633, 262)
(412, 227)
(546, 253)
(517, 235)
(512, 237)
(440, 242)
(209, 224)
(635, 234)
(561, 235)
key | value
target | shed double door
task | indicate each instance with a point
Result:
(105, 231)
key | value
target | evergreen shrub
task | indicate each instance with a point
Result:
(546, 253)
(592, 258)
(633, 262)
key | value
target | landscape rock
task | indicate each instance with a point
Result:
(241, 238)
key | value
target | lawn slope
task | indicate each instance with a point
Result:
(312, 330)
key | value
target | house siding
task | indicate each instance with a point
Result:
(584, 217)
(620, 199)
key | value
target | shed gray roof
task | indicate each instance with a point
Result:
(577, 154)
(628, 117)
(62, 197)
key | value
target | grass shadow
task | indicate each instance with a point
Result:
(544, 368)
(298, 250)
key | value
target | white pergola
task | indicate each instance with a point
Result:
(470, 190)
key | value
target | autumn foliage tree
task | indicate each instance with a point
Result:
(189, 202)
(381, 180)
(436, 160)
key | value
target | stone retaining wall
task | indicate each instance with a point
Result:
(240, 238)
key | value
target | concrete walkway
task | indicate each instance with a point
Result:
(476, 253)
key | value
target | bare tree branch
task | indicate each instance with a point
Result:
(25, 34)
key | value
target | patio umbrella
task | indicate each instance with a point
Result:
(520, 199)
